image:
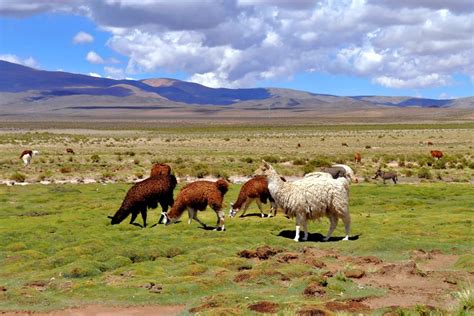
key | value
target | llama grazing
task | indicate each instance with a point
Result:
(436, 154)
(385, 176)
(314, 196)
(357, 157)
(196, 196)
(146, 194)
(26, 156)
(256, 189)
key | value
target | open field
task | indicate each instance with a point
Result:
(58, 250)
(236, 150)
(411, 249)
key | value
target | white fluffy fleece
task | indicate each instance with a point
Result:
(316, 195)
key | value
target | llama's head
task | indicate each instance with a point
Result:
(118, 217)
(166, 219)
(265, 169)
(233, 211)
(378, 173)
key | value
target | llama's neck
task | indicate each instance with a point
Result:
(274, 183)
(177, 210)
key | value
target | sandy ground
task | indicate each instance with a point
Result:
(98, 310)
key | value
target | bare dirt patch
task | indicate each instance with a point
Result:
(350, 306)
(262, 253)
(264, 307)
(312, 311)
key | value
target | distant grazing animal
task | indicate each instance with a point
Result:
(357, 157)
(196, 196)
(70, 151)
(146, 194)
(256, 189)
(436, 154)
(430, 143)
(386, 175)
(299, 145)
(314, 196)
(344, 144)
(160, 169)
(26, 156)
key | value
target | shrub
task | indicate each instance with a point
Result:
(247, 160)
(299, 162)
(271, 159)
(136, 161)
(130, 153)
(227, 139)
(308, 168)
(18, 177)
(107, 175)
(139, 175)
(95, 158)
(368, 146)
(408, 173)
(65, 169)
(320, 162)
(200, 170)
(440, 164)
(424, 173)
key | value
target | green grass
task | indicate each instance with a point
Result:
(59, 235)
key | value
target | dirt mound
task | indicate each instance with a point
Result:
(354, 273)
(241, 277)
(264, 307)
(286, 257)
(39, 285)
(311, 312)
(366, 260)
(350, 306)
(314, 289)
(400, 269)
(262, 253)
(315, 262)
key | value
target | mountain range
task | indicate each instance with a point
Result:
(30, 92)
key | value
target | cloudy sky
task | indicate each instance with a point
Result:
(359, 47)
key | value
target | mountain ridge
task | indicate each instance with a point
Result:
(27, 90)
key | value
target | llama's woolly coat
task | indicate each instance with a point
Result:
(316, 195)
(146, 194)
(255, 188)
(198, 195)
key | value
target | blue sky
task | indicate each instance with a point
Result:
(344, 47)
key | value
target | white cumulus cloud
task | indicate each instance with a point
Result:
(82, 37)
(30, 61)
(94, 58)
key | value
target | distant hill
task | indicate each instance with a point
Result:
(28, 91)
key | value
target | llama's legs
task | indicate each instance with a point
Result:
(190, 215)
(273, 210)
(246, 206)
(299, 220)
(220, 221)
(305, 228)
(143, 212)
(333, 220)
(197, 219)
(347, 224)
(259, 204)
(134, 217)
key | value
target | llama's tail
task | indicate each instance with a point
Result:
(222, 186)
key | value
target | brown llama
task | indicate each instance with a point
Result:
(146, 194)
(436, 154)
(357, 157)
(256, 189)
(196, 196)
(160, 169)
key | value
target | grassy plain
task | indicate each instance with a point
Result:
(236, 150)
(58, 249)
